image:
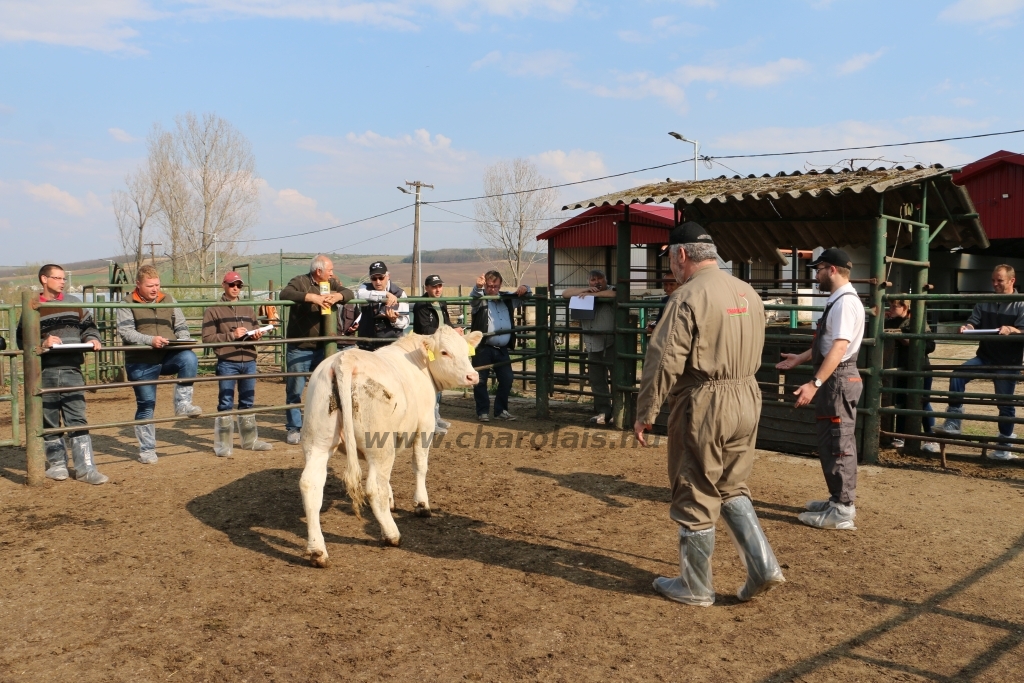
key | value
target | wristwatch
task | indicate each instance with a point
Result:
(817, 383)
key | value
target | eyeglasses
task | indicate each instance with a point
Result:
(238, 283)
(378, 278)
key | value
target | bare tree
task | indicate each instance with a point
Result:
(205, 189)
(514, 211)
(134, 207)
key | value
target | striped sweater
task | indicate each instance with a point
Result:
(72, 325)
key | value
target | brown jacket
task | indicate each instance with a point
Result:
(305, 319)
(219, 325)
(712, 328)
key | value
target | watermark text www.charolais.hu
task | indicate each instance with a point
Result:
(557, 438)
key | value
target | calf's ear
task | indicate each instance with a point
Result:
(473, 338)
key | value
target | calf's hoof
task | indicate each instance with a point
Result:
(318, 558)
(391, 542)
(422, 511)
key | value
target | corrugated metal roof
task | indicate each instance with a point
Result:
(596, 226)
(751, 218)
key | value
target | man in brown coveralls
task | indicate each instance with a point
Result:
(702, 357)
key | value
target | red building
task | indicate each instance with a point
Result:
(996, 186)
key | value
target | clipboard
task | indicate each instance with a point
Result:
(83, 346)
(582, 308)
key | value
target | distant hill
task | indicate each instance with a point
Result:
(465, 256)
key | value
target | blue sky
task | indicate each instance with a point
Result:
(342, 101)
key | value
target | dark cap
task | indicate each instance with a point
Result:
(833, 257)
(687, 233)
(378, 268)
(433, 280)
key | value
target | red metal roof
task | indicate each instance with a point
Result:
(996, 186)
(595, 227)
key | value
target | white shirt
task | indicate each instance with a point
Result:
(845, 321)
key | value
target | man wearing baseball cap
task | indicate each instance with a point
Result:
(384, 317)
(834, 389)
(703, 357)
(427, 316)
(229, 324)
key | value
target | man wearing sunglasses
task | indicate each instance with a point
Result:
(229, 324)
(384, 317)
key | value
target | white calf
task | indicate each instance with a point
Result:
(372, 404)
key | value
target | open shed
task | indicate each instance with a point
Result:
(752, 219)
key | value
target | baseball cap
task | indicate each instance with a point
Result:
(433, 280)
(833, 257)
(378, 268)
(231, 276)
(687, 233)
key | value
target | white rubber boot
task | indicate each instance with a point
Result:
(146, 434)
(247, 430)
(183, 402)
(763, 571)
(223, 436)
(56, 459)
(81, 454)
(693, 586)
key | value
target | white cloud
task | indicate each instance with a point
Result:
(291, 207)
(121, 135)
(860, 62)
(95, 24)
(768, 73)
(571, 166)
(536, 64)
(659, 28)
(964, 102)
(60, 200)
(992, 13)
(638, 86)
(372, 159)
(6, 109)
(112, 25)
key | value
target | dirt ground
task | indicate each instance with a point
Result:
(537, 565)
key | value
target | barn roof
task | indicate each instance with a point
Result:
(596, 227)
(751, 218)
(983, 164)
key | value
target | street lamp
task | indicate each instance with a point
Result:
(696, 150)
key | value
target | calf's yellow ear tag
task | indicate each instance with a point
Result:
(430, 355)
(472, 349)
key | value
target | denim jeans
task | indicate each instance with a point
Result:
(927, 422)
(182, 363)
(298, 360)
(70, 406)
(246, 387)
(1004, 387)
(485, 355)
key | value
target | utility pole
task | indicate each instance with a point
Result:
(215, 258)
(417, 270)
(152, 251)
(696, 150)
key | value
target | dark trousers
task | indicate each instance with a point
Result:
(835, 410)
(69, 406)
(598, 373)
(486, 355)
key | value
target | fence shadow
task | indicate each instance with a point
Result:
(979, 664)
(251, 509)
(603, 486)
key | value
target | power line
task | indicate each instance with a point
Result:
(850, 149)
(339, 249)
(311, 232)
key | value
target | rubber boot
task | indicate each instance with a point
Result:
(56, 459)
(247, 430)
(693, 586)
(763, 571)
(223, 436)
(146, 434)
(183, 402)
(440, 426)
(81, 454)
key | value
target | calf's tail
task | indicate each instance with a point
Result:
(353, 473)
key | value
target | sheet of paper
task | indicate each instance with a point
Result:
(182, 342)
(993, 331)
(582, 303)
(264, 330)
(71, 347)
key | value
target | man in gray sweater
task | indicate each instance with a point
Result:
(59, 326)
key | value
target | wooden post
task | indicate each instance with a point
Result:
(35, 450)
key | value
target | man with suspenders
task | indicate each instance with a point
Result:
(834, 390)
